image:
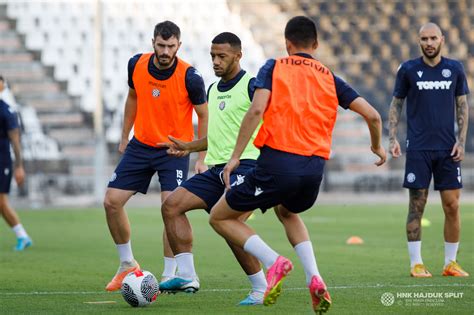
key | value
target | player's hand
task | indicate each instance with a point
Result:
(200, 167)
(19, 174)
(123, 145)
(228, 169)
(394, 148)
(380, 152)
(176, 147)
(458, 152)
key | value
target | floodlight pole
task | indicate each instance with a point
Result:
(100, 156)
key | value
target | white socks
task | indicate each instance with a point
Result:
(258, 281)
(414, 250)
(19, 231)
(305, 253)
(258, 248)
(185, 262)
(125, 252)
(450, 251)
(169, 267)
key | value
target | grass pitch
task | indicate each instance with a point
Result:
(73, 258)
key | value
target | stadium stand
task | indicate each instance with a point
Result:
(48, 56)
(55, 47)
(369, 39)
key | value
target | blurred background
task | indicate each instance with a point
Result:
(65, 64)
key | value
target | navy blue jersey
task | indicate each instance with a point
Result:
(227, 86)
(345, 93)
(430, 93)
(194, 82)
(8, 121)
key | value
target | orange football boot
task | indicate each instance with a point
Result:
(124, 269)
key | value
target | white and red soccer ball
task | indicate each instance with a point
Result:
(139, 288)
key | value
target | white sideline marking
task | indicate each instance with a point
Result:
(341, 287)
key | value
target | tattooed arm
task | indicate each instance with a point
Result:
(462, 120)
(394, 117)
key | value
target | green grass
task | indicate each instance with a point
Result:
(73, 257)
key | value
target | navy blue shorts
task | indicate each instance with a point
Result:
(264, 190)
(6, 173)
(420, 165)
(209, 186)
(140, 162)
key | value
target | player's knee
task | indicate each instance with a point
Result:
(111, 206)
(451, 208)
(3, 205)
(171, 207)
(214, 222)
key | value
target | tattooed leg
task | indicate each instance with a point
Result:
(416, 207)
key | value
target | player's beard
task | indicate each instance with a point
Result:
(433, 55)
(221, 72)
(165, 61)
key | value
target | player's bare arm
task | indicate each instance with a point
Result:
(202, 113)
(128, 118)
(393, 119)
(250, 122)
(19, 172)
(462, 117)
(416, 207)
(374, 122)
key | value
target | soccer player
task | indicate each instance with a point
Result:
(163, 92)
(10, 133)
(228, 101)
(435, 88)
(298, 98)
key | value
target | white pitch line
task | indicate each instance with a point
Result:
(342, 287)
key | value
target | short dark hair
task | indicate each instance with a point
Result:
(166, 30)
(228, 38)
(301, 31)
(1, 78)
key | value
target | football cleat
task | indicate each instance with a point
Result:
(420, 271)
(124, 269)
(275, 275)
(454, 270)
(164, 279)
(253, 298)
(178, 284)
(23, 243)
(319, 295)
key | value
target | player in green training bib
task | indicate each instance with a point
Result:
(228, 102)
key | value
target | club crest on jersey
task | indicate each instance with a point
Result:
(420, 73)
(446, 73)
(155, 93)
(222, 105)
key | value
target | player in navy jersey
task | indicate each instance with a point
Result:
(435, 88)
(163, 92)
(10, 133)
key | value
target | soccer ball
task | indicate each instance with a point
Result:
(139, 288)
